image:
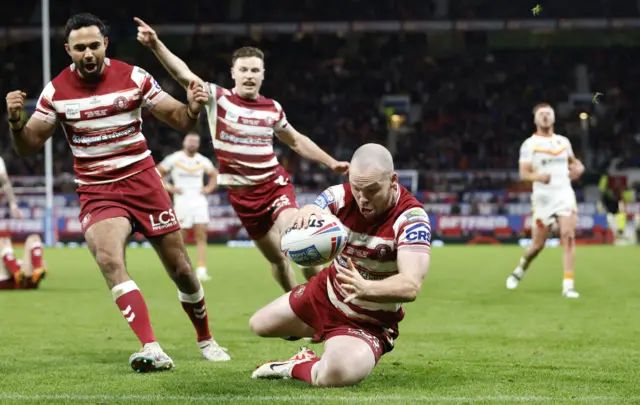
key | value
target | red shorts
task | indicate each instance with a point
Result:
(141, 198)
(258, 206)
(311, 304)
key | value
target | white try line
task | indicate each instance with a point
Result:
(355, 398)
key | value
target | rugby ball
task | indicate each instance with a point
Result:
(319, 243)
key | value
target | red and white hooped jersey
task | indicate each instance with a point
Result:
(373, 247)
(102, 121)
(242, 132)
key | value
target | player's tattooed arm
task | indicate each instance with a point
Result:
(176, 67)
(27, 136)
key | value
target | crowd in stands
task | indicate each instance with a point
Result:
(472, 110)
(198, 11)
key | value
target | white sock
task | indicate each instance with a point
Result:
(567, 284)
(518, 272)
(155, 346)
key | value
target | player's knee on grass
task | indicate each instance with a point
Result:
(346, 361)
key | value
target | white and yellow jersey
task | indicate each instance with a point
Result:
(187, 173)
(549, 154)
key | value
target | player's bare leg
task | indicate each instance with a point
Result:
(282, 222)
(277, 319)
(171, 250)
(281, 269)
(200, 233)
(106, 240)
(346, 361)
(568, 239)
(11, 265)
(539, 234)
(33, 262)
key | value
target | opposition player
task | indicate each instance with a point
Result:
(26, 274)
(242, 124)
(547, 160)
(355, 304)
(187, 169)
(98, 102)
(7, 189)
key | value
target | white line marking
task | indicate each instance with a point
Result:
(323, 396)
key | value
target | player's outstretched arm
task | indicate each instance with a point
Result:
(179, 116)
(176, 67)
(27, 137)
(308, 149)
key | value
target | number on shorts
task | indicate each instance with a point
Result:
(281, 181)
(280, 202)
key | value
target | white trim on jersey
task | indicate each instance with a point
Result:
(97, 151)
(116, 163)
(104, 124)
(238, 180)
(250, 130)
(229, 107)
(265, 165)
(243, 149)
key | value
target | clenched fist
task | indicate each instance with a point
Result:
(15, 104)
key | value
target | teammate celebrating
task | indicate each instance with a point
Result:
(547, 160)
(26, 274)
(98, 102)
(242, 124)
(355, 303)
(187, 168)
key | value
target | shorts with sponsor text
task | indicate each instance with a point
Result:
(140, 198)
(258, 206)
(310, 302)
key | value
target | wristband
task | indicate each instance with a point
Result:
(191, 114)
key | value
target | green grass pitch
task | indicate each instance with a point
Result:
(465, 340)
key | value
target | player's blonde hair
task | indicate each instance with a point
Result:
(539, 106)
(246, 52)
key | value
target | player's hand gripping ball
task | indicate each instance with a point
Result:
(319, 243)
